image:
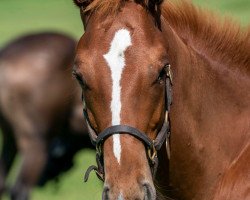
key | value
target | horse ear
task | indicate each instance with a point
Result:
(155, 2)
(82, 3)
(77, 2)
(158, 2)
(154, 7)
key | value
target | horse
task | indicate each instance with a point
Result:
(40, 110)
(165, 83)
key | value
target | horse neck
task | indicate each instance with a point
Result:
(216, 97)
(209, 115)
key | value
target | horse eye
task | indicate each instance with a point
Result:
(79, 78)
(162, 75)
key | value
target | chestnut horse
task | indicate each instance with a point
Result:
(40, 110)
(123, 65)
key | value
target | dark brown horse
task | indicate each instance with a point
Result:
(40, 110)
(123, 65)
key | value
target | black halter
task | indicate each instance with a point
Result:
(151, 146)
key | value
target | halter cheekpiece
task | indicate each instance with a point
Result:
(152, 146)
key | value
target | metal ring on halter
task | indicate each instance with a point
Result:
(152, 153)
(169, 73)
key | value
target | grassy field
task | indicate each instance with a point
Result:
(24, 16)
(70, 185)
(19, 17)
(238, 9)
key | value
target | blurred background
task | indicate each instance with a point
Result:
(19, 17)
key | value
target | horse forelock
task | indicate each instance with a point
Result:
(113, 6)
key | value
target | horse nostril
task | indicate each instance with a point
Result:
(149, 192)
(105, 193)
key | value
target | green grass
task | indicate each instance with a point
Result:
(70, 185)
(23, 16)
(237, 9)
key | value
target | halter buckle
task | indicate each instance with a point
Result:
(152, 153)
(169, 73)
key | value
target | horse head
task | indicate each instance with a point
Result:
(123, 68)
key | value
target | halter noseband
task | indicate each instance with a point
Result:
(152, 146)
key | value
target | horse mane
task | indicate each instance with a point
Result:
(209, 35)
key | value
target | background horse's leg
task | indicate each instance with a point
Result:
(7, 156)
(33, 149)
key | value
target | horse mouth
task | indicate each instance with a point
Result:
(149, 191)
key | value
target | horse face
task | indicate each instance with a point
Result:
(120, 64)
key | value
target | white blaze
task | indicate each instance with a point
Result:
(116, 62)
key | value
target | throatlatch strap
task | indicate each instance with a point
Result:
(89, 170)
(163, 134)
(99, 170)
(92, 133)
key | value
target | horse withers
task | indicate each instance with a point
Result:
(123, 65)
(40, 110)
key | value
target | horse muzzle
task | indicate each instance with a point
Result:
(142, 191)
